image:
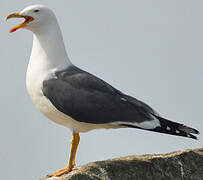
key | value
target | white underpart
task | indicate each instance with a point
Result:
(49, 55)
(145, 124)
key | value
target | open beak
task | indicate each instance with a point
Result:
(17, 15)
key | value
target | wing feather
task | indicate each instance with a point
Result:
(87, 98)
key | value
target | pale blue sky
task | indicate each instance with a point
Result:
(148, 49)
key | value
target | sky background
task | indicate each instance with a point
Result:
(152, 50)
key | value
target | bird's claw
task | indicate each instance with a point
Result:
(60, 172)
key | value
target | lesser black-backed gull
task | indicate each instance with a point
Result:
(75, 98)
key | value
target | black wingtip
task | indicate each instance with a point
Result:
(171, 128)
(197, 132)
(192, 136)
(188, 129)
(178, 129)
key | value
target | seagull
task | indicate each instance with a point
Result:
(75, 98)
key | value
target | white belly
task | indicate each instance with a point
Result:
(49, 110)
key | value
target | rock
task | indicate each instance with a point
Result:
(180, 165)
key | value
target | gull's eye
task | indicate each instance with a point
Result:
(36, 10)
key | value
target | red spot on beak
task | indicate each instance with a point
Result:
(17, 15)
(13, 29)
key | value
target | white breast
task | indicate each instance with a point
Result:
(34, 84)
(49, 55)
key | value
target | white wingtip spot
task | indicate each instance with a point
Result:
(177, 131)
(123, 99)
(168, 128)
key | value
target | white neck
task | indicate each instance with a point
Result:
(48, 51)
(48, 55)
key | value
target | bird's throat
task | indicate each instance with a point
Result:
(48, 46)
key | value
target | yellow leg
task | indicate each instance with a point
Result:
(71, 162)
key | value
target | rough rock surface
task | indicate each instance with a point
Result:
(180, 165)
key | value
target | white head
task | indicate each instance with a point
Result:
(48, 50)
(36, 17)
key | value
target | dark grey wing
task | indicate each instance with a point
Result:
(137, 103)
(89, 99)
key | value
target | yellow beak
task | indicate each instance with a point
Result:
(17, 15)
